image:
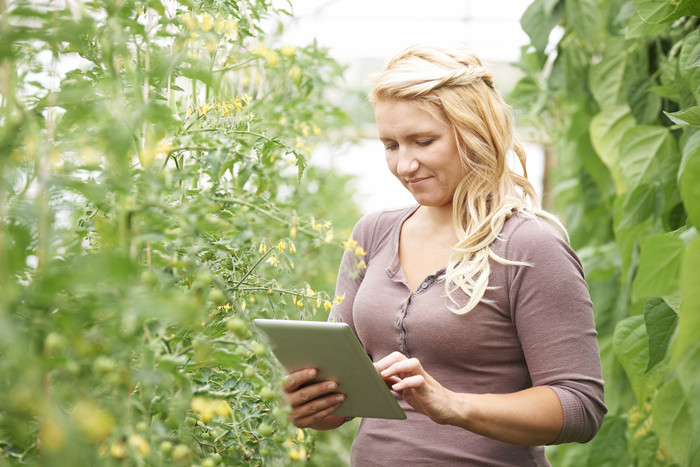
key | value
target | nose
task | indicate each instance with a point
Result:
(407, 163)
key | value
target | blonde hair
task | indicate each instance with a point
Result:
(455, 83)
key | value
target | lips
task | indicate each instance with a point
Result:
(416, 181)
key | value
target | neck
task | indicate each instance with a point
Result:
(438, 216)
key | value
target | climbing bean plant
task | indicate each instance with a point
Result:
(617, 85)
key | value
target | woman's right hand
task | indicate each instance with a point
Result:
(312, 404)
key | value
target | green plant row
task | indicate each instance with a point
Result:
(619, 92)
(151, 154)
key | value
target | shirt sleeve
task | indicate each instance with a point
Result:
(349, 276)
(553, 316)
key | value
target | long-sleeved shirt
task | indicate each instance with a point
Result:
(533, 327)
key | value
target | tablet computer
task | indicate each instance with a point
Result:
(335, 352)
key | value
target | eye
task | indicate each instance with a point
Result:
(425, 143)
(390, 147)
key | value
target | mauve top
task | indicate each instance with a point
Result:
(534, 327)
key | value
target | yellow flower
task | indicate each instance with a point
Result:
(222, 408)
(272, 260)
(190, 22)
(316, 130)
(226, 307)
(118, 449)
(349, 244)
(140, 444)
(94, 422)
(288, 51)
(359, 251)
(293, 232)
(339, 299)
(271, 57)
(281, 245)
(327, 305)
(329, 236)
(300, 303)
(211, 46)
(300, 435)
(263, 248)
(297, 453)
(292, 248)
(206, 23)
(243, 304)
(361, 265)
(310, 292)
(203, 408)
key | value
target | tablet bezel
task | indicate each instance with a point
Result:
(333, 349)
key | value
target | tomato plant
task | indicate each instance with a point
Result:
(620, 95)
(152, 204)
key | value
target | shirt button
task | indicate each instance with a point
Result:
(425, 285)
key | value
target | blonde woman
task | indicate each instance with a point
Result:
(472, 306)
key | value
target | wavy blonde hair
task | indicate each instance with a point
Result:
(455, 83)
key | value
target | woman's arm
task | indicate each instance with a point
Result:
(530, 417)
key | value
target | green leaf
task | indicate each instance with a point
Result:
(689, 53)
(689, 178)
(638, 206)
(583, 17)
(642, 151)
(538, 22)
(684, 117)
(607, 129)
(659, 266)
(689, 321)
(672, 421)
(668, 92)
(607, 82)
(609, 447)
(631, 345)
(660, 320)
(645, 105)
(655, 12)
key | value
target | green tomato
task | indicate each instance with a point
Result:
(259, 349)
(166, 447)
(265, 429)
(239, 328)
(180, 453)
(190, 422)
(268, 394)
(217, 297)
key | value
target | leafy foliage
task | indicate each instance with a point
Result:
(151, 155)
(619, 93)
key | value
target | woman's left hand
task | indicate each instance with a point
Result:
(407, 377)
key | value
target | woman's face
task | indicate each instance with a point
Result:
(421, 151)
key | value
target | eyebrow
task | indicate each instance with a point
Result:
(415, 134)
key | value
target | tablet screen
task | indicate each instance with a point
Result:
(333, 349)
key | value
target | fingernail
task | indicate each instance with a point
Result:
(340, 398)
(312, 373)
(331, 386)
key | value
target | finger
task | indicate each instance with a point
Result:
(311, 392)
(301, 421)
(298, 378)
(416, 382)
(317, 408)
(389, 360)
(406, 366)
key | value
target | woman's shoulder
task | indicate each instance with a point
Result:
(526, 231)
(382, 219)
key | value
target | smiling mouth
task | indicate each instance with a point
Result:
(416, 181)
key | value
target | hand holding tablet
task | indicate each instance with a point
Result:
(334, 351)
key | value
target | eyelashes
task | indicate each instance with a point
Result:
(393, 146)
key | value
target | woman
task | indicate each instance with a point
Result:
(472, 306)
